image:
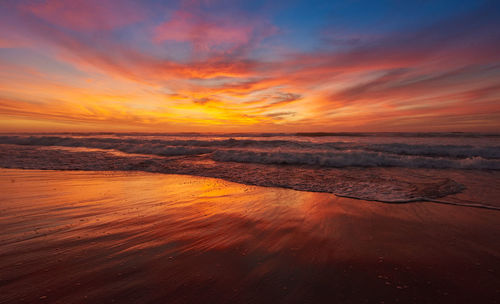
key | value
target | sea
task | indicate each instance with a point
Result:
(449, 168)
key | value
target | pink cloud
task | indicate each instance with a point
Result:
(207, 34)
(87, 14)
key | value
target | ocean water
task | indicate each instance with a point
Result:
(453, 168)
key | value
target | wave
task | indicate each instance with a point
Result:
(456, 151)
(376, 184)
(382, 177)
(265, 134)
(153, 147)
(352, 159)
(285, 151)
(397, 134)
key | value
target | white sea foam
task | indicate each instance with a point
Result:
(289, 151)
(366, 169)
(353, 159)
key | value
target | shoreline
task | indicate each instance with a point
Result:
(90, 236)
(417, 200)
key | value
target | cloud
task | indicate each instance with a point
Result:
(281, 115)
(87, 14)
(204, 34)
(446, 70)
(201, 101)
(406, 84)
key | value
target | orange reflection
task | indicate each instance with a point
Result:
(74, 236)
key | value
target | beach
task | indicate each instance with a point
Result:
(249, 152)
(137, 237)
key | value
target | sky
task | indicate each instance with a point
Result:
(249, 66)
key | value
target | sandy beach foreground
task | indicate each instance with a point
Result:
(102, 237)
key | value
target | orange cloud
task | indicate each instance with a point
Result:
(425, 78)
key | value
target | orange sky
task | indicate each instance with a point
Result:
(208, 66)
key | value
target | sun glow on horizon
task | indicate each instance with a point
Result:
(209, 66)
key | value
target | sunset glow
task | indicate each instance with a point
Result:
(225, 66)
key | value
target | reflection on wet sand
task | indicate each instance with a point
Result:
(94, 237)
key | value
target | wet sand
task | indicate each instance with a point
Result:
(103, 237)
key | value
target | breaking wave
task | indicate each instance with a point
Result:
(353, 159)
(371, 167)
(279, 151)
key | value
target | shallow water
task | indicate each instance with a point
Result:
(125, 237)
(458, 168)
